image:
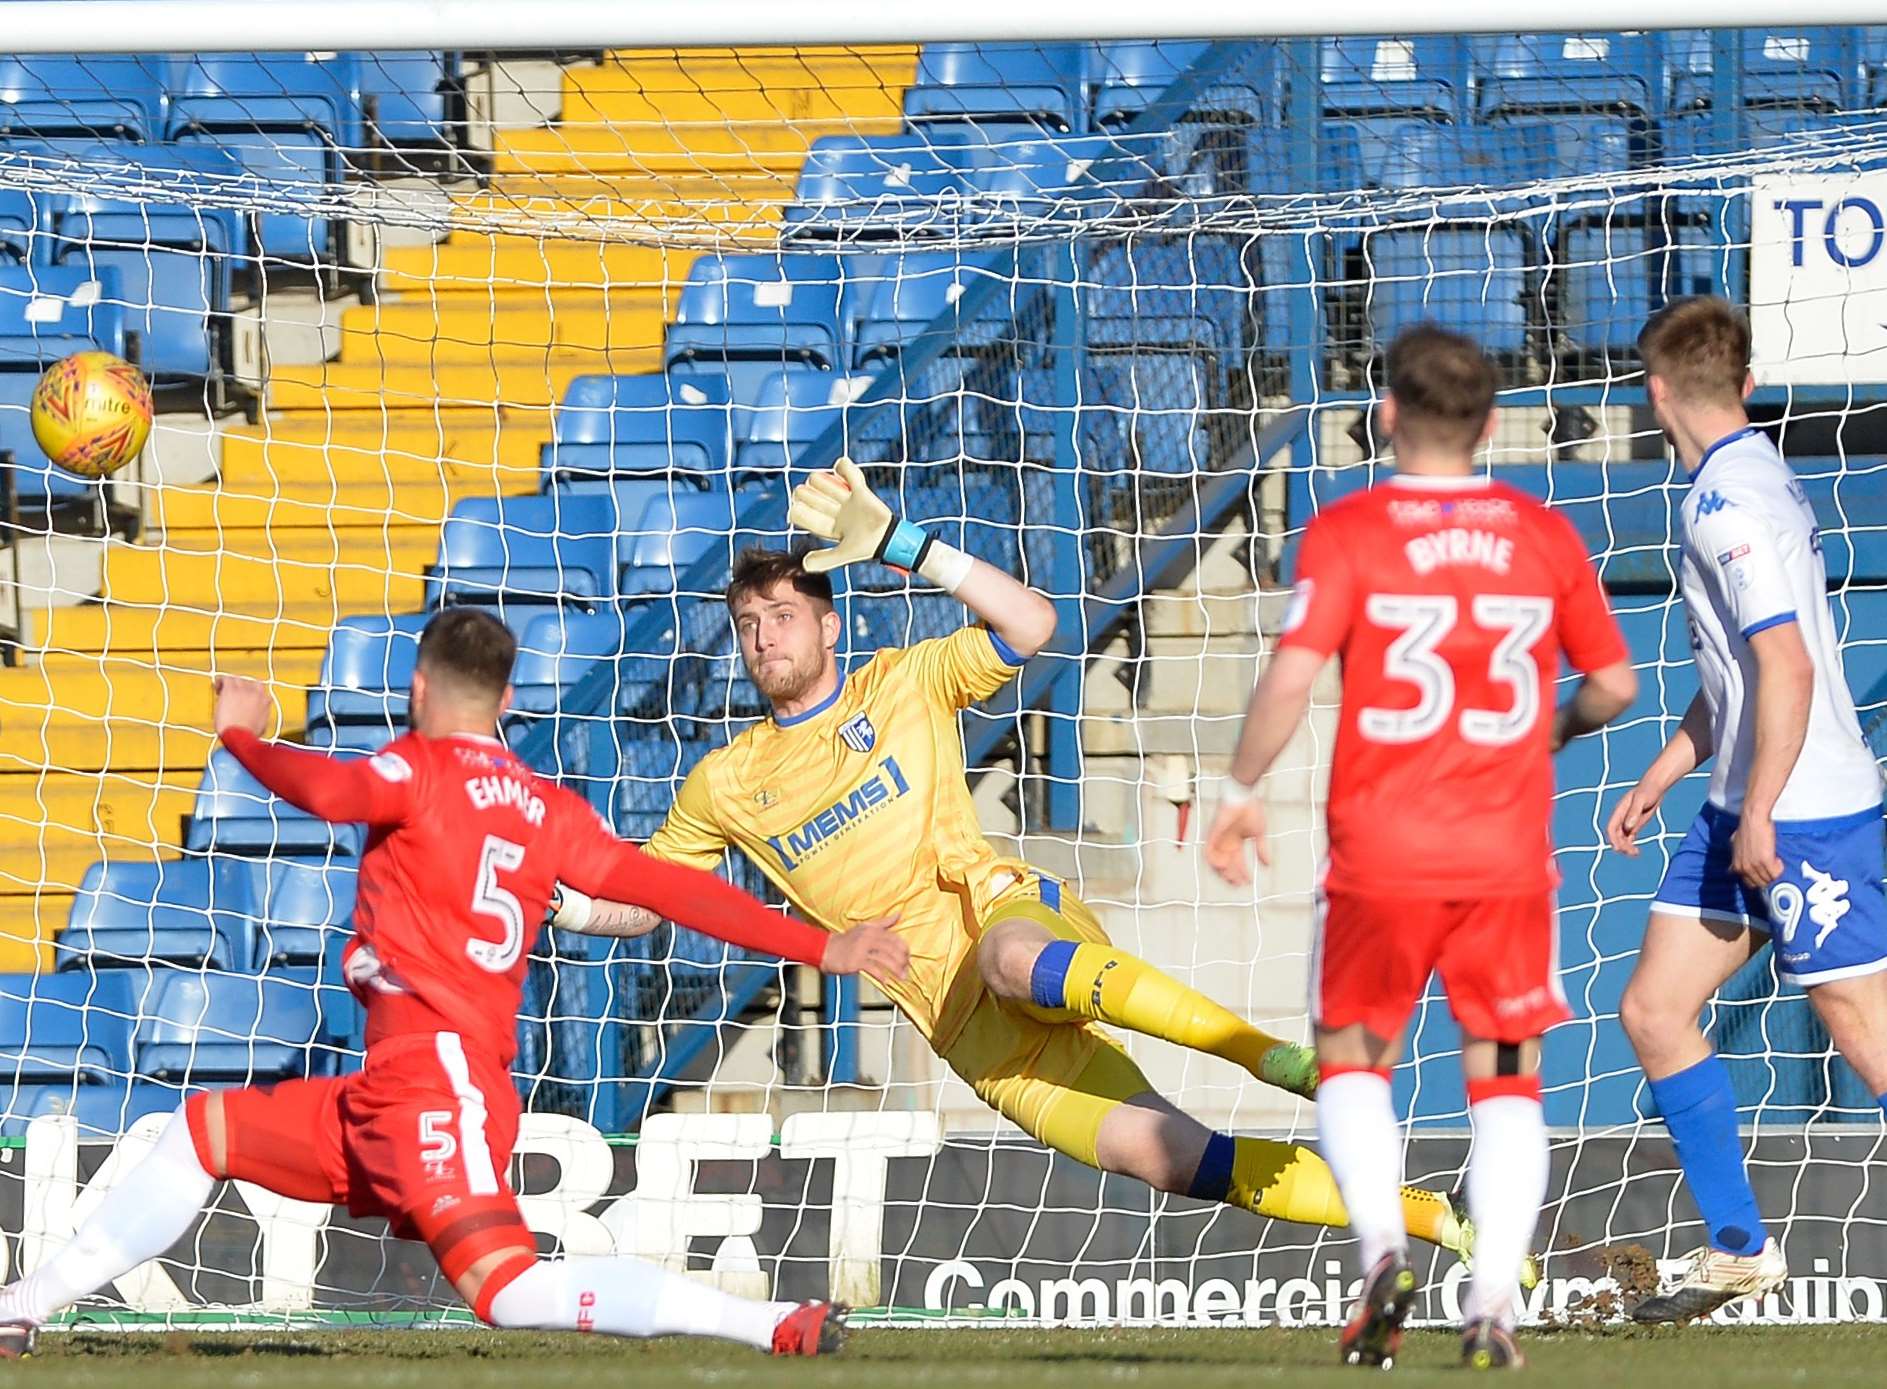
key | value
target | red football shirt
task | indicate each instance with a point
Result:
(465, 844)
(1450, 602)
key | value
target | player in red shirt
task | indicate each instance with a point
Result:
(464, 846)
(1450, 599)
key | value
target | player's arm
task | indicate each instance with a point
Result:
(839, 506)
(374, 791)
(1315, 627)
(601, 866)
(1785, 689)
(1590, 636)
(1688, 749)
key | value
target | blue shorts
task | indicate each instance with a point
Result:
(1827, 912)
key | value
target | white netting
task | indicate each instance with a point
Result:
(552, 333)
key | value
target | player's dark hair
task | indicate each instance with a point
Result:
(1444, 388)
(760, 571)
(470, 650)
(1699, 347)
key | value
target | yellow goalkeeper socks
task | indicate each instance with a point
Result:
(1111, 986)
(1286, 1182)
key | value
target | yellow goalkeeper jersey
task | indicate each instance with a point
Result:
(859, 808)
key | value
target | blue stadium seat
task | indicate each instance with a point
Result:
(1128, 77)
(537, 550)
(1463, 271)
(796, 408)
(115, 95)
(674, 533)
(654, 424)
(877, 620)
(1568, 74)
(1850, 500)
(20, 215)
(866, 186)
(102, 1111)
(412, 98)
(1184, 293)
(53, 1026)
(47, 312)
(235, 814)
(1045, 84)
(175, 262)
(1146, 412)
(249, 1029)
(910, 291)
(176, 911)
(1789, 76)
(298, 905)
(366, 672)
(561, 648)
(1051, 177)
(1425, 77)
(288, 117)
(744, 317)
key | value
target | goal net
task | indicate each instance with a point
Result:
(553, 333)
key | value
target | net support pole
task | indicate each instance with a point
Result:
(205, 26)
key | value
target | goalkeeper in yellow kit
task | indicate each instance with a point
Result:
(852, 799)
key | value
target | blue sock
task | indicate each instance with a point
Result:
(1699, 1109)
(1214, 1177)
(1048, 980)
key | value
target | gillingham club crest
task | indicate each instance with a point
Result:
(858, 733)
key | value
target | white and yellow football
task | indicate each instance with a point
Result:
(92, 413)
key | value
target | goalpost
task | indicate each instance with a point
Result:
(546, 328)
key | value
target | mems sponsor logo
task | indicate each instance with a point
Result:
(885, 785)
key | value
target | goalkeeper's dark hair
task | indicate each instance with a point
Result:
(1443, 385)
(469, 650)
(1699, 347)
(761, 571)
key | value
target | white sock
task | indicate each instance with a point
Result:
(1506, 1186)
(147, 1211)
(1362, 1142)
(630, 1297)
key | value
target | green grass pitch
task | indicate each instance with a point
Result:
(1761, 1358)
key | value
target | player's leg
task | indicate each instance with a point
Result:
(432, 1148)
(1074, 1090)
(1700, 933)
(1048, 953)
(1500, 963)
(1828, 912)
(255, 1135)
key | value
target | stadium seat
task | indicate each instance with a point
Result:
(561, 648)
(1041, 83)
(114, 95)
(744, 317)
(55, 1026)
(674, 533)
(642, 425)
(1183, 293)
(1129, 77)
(796, 408)
(1788, 76)
(1567, 74)
(175, 911)
(879, 186)
(235, 814)
(102, 1111)
(1026, 181)
(248, 1029)
(175, 262)
(20, 214)
(297, 906)
(1146, 412)
(535, 550)
(47, 312)
(412, 99)
(289, 118)
(911, 291)
(366, 672)
(877, 620)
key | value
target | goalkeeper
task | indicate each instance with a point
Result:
(852, 799)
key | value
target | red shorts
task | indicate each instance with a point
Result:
(422, 1135)
(1498, 958)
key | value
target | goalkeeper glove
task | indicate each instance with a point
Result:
(840, 507)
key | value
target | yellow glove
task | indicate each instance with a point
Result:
(840, 507)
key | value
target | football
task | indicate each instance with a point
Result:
(92, 413)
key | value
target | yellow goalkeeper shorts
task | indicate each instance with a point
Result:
(1053, 1074)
